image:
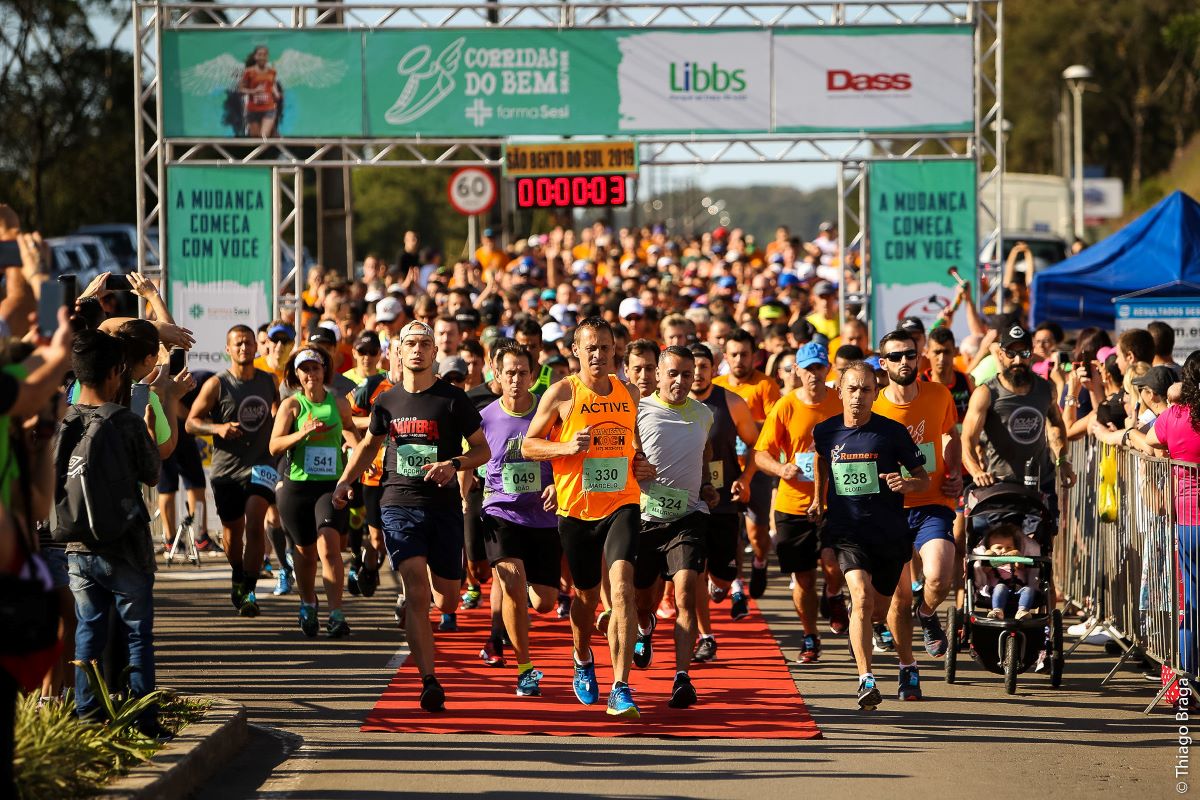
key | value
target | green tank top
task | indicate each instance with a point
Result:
(319, 457)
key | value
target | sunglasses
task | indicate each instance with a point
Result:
(787, 368)
(1026, 353)
(903, 355)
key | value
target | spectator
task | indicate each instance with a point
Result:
(824, 318)
(1164, 346)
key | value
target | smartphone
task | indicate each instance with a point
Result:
(178, 360)
(10, 254)
(118, 283)
(1066, 366)
(52, 298)
(139, 398)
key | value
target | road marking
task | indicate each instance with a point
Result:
(397, 661)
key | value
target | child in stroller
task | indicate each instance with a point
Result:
(998, 583)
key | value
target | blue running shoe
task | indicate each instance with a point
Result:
(528, 683)
(869, 697)
(882, 639)
(584, 683)
(283, 583)
(352, 582)
(910, 684)
(471, 597)
(249, 606)
(739, 606)
(936, 642)
(643, 650)
(620, 702)
(449, 623)
(308, 620)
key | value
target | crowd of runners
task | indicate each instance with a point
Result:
(621, 428)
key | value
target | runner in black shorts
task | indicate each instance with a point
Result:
(235, 408)
(184, 463)
(424, 421)
(861, 453)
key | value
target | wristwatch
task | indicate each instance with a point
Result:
(456, 462)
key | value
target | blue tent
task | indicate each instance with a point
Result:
(1161, 248)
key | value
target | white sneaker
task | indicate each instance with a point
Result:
(1022, 613)
(1080, 628)
(998, 613)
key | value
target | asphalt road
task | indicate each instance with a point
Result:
(307, 698)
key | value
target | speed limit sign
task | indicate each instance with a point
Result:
(472, 190)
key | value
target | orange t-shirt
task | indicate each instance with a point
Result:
(361, 398)
(593, 484)
(759, 392)
(786, 434)
(930, 416)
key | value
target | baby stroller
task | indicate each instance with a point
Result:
(1007, 646)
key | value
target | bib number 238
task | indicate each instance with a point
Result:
(856, 478)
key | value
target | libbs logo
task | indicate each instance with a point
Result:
(693, 77)
(843, 80)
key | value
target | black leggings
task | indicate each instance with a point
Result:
(307, 506)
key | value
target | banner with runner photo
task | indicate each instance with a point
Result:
(922, 221)
(253, 83)
(218, 251)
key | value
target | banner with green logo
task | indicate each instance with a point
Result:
(218, 251)
(922, 218)
(252, 83)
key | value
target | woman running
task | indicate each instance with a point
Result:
(309, 428)
(260, 86)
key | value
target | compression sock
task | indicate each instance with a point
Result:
(356, 540)
(523, 668)
(497, 634)
(280, 544)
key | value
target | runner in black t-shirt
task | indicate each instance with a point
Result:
(862, 454)
(424, 421)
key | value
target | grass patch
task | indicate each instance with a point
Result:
(59, 756)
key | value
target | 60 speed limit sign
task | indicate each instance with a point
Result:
(472, 190)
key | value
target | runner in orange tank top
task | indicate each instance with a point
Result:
(586, 426)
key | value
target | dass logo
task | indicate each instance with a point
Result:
(843, 80)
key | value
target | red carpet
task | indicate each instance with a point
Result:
(746, 693)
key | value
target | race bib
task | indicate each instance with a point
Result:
(410, 458)
(264, 476)
(927, 450)
(320, 462)
(716, 474)
(521, 477)
(856, 478)
(605, 474)
(663, 502)
(804, 461)
(740, 447)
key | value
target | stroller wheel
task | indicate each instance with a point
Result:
(1057, 656)
(954, 621)
(1010, 663)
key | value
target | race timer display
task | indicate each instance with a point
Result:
(581, 191)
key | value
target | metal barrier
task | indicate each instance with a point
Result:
(1129, 555)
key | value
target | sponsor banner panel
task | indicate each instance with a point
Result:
(1181, 313)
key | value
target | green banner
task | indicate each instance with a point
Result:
(251, 83)
(218, 250)
(922, 219)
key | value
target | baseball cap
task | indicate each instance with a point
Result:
(489, 233)
(308, 356)
(468, 319)
(811, 355)
(721, 232)
(323, 335)
(387, 309)
(874, 362)
(449, 366)
(1158, 379)
(630, 306)
(727, 282)
(912, 325)
(416, 328)
(733, 255)
(549, 294)
(823, 289)
(373, 295)
(281, 332)
(367, 341)
(1015, 334)
(777, 258)
(826, 226)
(552, 332)
(770, 311)
(788, 279)
(1104, 352)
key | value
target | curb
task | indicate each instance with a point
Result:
(188, 760)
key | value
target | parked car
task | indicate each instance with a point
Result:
(1048, 249)
(121, 240)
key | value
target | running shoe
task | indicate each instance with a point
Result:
(401, 612)
(266, 571)
(869, 697)
(206, 545)
(739, 607)
(910, 684)
(1022, 613)
(717, 593)
(811, 652)
(882, 639)
(706, 650)
(823, 606)
(249, 606)
(602, 622)
(492, 655)
(470, 598)
(352, 582)
(643, 649)
(167, 545)
(308, 620)
(839, 616)
(562, 609)
(236, 595)
(620, 702)
(758, 581)
(936, 642)
(449, 623)
(433, 696)
(666, 609)
(337, 627)
(368, 581)
(918, 587)
(683, 694)
(283, 583)
(584, 683)
(528, 683)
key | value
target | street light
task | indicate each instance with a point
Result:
(1076, 77)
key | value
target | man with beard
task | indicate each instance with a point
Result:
(927, 411)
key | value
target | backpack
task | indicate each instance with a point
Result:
(97, 496)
